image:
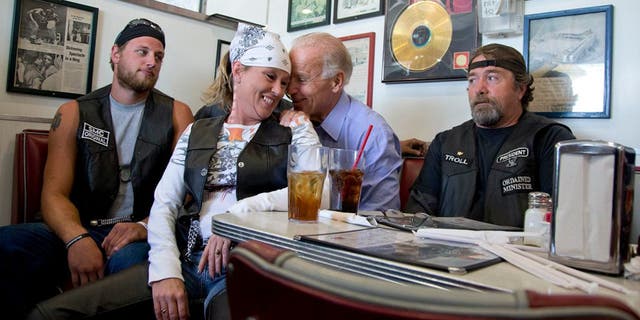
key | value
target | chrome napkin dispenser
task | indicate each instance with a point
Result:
(592, 205)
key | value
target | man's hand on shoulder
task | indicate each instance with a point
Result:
(414, 147)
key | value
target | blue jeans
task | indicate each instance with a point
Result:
(33, 263)
(200, 286)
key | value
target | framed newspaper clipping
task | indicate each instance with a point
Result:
(569, 55)
(52, 48)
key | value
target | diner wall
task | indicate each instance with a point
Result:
(187, 70)
(412, 109)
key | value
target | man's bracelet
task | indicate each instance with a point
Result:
(142, 223)
(76, 239)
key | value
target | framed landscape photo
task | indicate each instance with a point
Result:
(349, 10)
(223, 48)
(569, 55)
(304, 14)
(361, 46)
(52, 48)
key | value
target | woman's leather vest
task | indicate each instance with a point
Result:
(261, 166)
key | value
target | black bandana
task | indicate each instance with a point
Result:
(512, 66)
(140, 28)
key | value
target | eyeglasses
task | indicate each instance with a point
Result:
(142, 21)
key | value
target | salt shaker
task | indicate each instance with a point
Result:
(534, 218)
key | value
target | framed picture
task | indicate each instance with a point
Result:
(361, 46)
(52, 48)
(429, 40)
(569, 55)
(304, 14)
(223, 48)
(349, 10)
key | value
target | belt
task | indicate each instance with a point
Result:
(110, 221)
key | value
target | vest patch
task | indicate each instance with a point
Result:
(458, 160)
(517, 184)
(96, 135)
(512, 156)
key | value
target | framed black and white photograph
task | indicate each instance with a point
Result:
(569, 55)
(222, 49)
(350, 10)
(304, 14)
(361, 47)
(52, 48)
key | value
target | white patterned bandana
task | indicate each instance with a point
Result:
(257, 47)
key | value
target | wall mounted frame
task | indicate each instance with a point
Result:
(304, 14)
(569, 55)
(52, 48)
(221, 50)
(350, 10)
(361, 46)
(429, 40)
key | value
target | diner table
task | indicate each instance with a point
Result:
(274, 228)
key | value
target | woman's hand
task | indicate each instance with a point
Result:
(170, 299)
(215, 255)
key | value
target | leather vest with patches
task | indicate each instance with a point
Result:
(97, 171)
(512, 176)
(261, 165)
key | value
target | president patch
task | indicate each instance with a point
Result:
(511, 157)
(94, 134)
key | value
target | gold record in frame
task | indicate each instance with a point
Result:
(421, 35)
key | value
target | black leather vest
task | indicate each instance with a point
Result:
(261, 166)
(513, 173)
(97, 172)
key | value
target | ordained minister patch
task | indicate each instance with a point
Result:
(517, 184)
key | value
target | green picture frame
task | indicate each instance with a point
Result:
(305, 14)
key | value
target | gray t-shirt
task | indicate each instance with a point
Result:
(126, 121)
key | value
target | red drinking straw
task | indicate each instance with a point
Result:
(366, 137)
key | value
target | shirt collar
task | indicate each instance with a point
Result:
(332, 124)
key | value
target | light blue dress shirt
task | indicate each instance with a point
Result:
(345, 127)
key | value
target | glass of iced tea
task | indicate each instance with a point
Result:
(346, 180)
(306, 171)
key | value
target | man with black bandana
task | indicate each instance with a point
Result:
(484, 168)
(107, 151)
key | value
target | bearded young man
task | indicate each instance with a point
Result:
(107, 152)
(484, 168)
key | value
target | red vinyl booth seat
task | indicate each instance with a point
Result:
(28, 170)
(411, 167)
(264, 282)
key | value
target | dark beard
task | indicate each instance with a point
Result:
(128, 80)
